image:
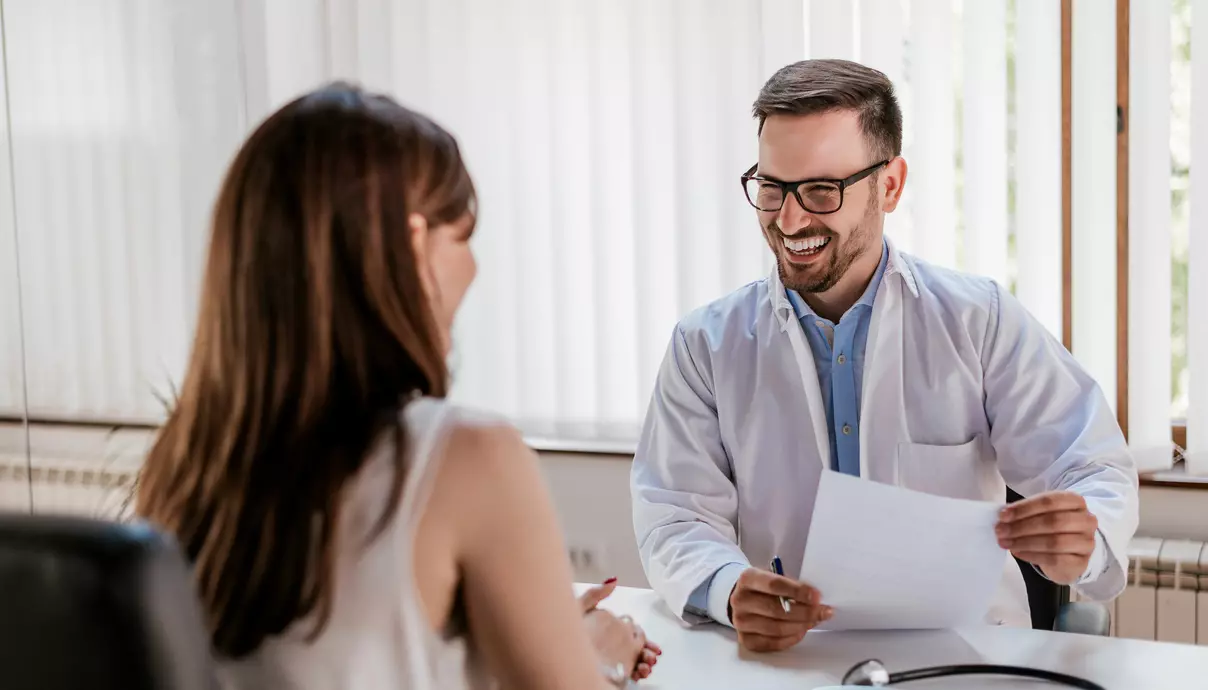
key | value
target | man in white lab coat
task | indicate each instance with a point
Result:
(854, 357)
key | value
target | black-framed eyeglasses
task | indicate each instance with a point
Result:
(818, 195)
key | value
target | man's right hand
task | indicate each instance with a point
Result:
(761, 622)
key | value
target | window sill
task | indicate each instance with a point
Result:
(581, 438)
(1175, 478)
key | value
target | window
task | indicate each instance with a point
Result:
(1164, 360)
(1180, 201)
(607, 145)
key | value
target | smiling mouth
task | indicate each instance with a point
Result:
(805, 247)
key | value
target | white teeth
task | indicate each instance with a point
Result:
(805, 244)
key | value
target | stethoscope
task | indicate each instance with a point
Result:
(873, 673)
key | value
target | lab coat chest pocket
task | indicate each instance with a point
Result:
(948, 470)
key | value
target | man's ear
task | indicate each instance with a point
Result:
(893, 181)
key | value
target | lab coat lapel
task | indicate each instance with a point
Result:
(805, 364)
(882, 397)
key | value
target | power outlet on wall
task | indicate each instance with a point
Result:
(588, 561)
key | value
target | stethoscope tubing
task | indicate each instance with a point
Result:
(993, 669)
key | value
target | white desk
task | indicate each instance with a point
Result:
(708, 657)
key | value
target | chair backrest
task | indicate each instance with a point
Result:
(90, 604)
(1045, 597)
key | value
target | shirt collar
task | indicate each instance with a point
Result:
(803, 310)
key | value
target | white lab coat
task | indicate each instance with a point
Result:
(962, 389)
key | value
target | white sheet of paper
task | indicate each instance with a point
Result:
(886, 558)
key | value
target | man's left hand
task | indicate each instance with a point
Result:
(1053, 530)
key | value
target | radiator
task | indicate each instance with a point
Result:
(75, 471)
(1167, 594)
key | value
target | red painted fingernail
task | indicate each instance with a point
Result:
(610, 580)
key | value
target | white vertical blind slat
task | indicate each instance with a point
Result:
(616, 239)
(491, 50)
(782, 25)
(696, 192)
(985, 138)
(296, 49)
(1197, 284)
(747, 255)
(882, 36)
(41, 140)
(655, 150)
(1094, 191)
(86, 255)
(1149, 227)
(374, 20)
(882, 44)
(578, 346)
(783, 41)
(1037, 173)
(410, 49)
(832, 30)
(131, 69)
(487, 354)
(342, 38)
(532, 184)
(12, 369)
(932, 118)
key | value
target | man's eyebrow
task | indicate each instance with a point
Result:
(769, 178)
(764, 176)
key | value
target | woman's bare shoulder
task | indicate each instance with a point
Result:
(486, 462)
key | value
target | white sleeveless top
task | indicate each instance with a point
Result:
(378, 636)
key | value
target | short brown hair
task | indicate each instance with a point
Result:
(809, 87)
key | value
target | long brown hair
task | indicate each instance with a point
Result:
(313, 331)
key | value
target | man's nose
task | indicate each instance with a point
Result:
(792, 216)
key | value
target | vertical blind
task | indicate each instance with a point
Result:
(1093, 190)
(606, 138)
(1036, 159)
(1197, 287)
(1168, 229)
(120, 117)
(1149, 224)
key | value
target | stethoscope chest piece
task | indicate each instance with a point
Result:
(870, 673)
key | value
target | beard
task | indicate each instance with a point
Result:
(842, 254)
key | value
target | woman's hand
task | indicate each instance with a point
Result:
(617, 640)
(646, 661)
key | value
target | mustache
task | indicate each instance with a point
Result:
(807, 234)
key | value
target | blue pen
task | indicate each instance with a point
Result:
(778, 568)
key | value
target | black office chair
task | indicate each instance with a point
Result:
(90, 604)
(1051, 606)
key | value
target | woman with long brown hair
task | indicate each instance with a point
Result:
(348, 528)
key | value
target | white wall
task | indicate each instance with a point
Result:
(591, 493)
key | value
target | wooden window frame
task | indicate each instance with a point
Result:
(1176, 478)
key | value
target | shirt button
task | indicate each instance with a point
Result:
(842, 359)
(819, 324)
(846, 429)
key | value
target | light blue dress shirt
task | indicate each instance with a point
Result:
(838, 351)
(839, 359)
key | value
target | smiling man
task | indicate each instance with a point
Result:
(857, 358)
